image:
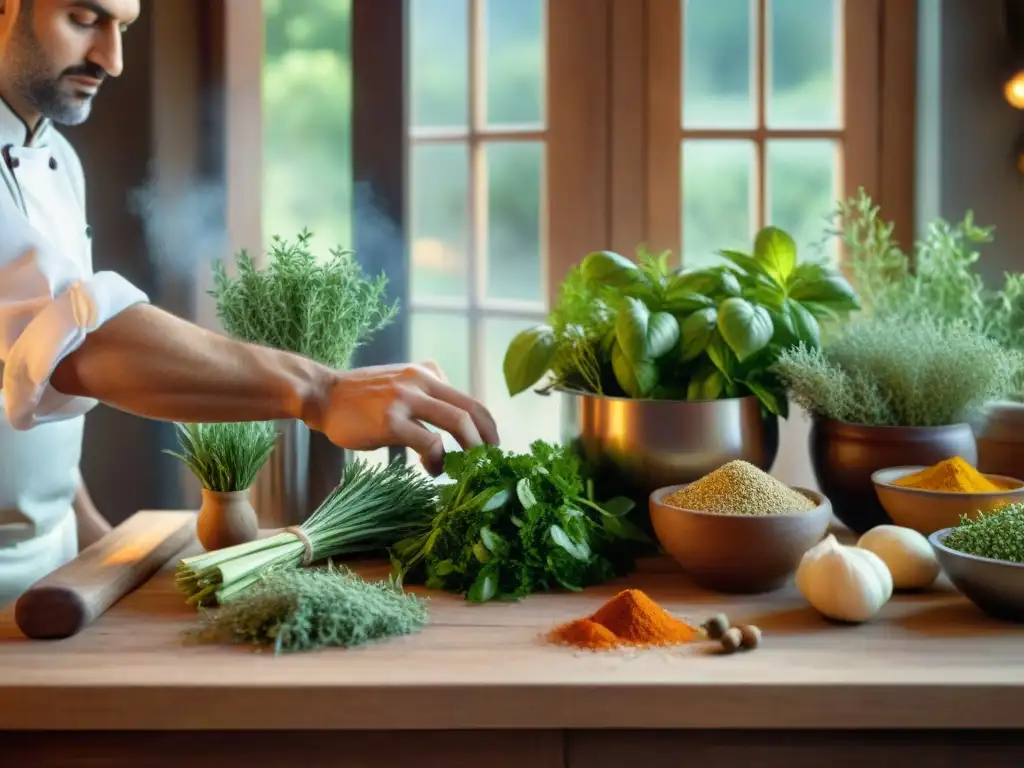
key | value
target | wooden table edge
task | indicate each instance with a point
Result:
(529, 707)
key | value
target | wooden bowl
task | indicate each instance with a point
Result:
(930, 511)
(994, 586)
(740, 554)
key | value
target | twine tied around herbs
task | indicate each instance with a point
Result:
(307, 555)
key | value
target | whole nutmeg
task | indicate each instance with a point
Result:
(750, 637)
(716, 626)
(732, 639)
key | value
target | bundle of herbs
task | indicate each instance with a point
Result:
(323, 309)
(937, 278)
(513, 524)
(225, 456)
(370, 510)
(642, 330)
(922, 373)
(314, 608)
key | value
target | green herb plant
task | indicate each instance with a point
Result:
(314, 608)
(321, 309)
(641, 330)
(513, 524)
(997, 535)
(225, 456)
(937, 278)
(370, 510)
(921, 373)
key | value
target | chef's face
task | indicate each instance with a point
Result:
(55, 54)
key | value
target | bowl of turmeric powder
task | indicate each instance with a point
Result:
(929, 499)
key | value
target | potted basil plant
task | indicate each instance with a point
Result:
(667, 374)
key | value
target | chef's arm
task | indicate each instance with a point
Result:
(148, 362)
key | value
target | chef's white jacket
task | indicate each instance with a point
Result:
(50, 299)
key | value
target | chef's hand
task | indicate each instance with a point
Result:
(387, 405)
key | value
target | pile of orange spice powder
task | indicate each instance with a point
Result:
(630, 618)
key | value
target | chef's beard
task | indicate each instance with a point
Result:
(34, 81)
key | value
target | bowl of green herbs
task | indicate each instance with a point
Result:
(984, 558)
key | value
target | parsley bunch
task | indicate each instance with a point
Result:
(514, 524)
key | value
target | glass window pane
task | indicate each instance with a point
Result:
(719, 41)
(307, 131)
(439, 63)
(802, 188)
(443, 338)
(515, 62)
(803, 47)
(528, 416)
(718, 199)
(438, 181)
(515, 173)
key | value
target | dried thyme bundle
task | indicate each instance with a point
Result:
(998, 535)
(312, 609)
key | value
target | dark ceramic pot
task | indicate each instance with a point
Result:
(844, 456)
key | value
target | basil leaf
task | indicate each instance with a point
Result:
(443, 568)
(631, 329)
(579, 550)
(805, 325)
(637, 379)
(485, 587)
(775, 251)
(708, 386)
(822, 284)
(782, 321)
(490, 539)
(697, 331)
(604, 268)
(525, 494)
(746, 328)
(709, 282)
(721, 355)
(768, 398)
(681, 297)
(748, 264)
(821, 311)
(662, 334)
(528, 358)
(480, 552)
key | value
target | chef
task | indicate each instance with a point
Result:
(71, 337)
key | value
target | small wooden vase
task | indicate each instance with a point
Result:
(225, 519)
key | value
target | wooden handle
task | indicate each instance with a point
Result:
(68, 600)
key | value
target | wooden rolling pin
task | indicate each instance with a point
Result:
(70, 598)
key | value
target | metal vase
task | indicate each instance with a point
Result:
(633, 447)
(280, 494)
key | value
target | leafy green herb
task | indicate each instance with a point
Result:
(311, 609)
(323, 309)
(513, 524)
(923, 373)
(640, 330)
(998, 535)
(226, 456)
(938, 278)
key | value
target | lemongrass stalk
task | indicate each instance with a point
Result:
(370, 510)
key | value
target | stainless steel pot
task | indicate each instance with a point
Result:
(636, 446)
(280, 494)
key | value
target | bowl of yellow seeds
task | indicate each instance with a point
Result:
(738, 529)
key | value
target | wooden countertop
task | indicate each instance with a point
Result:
(928, 661)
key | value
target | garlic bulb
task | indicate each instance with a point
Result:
(843, 583)
(906, 553)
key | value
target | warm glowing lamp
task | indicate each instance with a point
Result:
(1014, 90)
